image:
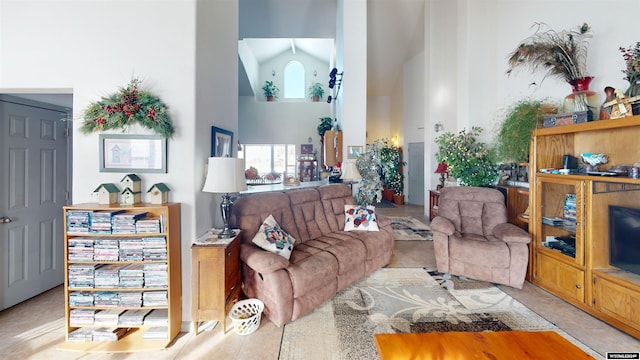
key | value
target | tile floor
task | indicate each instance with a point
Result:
(31, 330)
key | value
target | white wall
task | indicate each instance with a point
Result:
(280, 122)
(92, 48)
(351, 107)
(466, 47)
(379, 119)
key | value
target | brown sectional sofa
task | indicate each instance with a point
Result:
(325, 258)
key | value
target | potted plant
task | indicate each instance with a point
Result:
(270, 90)
(467, 159)
(514, 136)
(391, 163)
(326, 123)
(316, 92)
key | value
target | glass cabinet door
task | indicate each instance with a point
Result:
(561, 224)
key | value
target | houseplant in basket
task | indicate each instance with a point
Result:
(316, 92)
(270, 90)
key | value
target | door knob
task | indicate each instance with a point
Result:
(5, 220)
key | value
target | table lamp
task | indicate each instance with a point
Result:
(442, 170)
(350, 173)
(225, 175)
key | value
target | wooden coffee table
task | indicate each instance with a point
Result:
(477, 345)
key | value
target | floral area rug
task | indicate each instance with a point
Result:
(410, 228)
(406, 300)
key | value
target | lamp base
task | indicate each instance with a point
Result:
(225, 210)
(227, 233)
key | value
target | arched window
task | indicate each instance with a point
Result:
(294, 80)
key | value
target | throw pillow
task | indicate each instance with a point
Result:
(357, 217)
(272, 237)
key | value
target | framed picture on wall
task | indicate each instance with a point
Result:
(306, 149)
(133, 153)
(353, 152)
(221, 142)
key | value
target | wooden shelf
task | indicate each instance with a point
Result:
(586, 280)
(133, 340)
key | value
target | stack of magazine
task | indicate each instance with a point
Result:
(125, 223)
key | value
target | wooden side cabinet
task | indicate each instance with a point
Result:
(434, 198)
(215, 280)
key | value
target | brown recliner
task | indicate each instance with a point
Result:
(472, 238)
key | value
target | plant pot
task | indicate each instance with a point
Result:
(398, 199)
(270, 98)
(387, 194)
(315, 99)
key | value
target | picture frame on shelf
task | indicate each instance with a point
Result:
(221, 142)
(353, 152)
(133, 153)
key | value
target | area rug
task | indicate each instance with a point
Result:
(410, 228)
(407, 300)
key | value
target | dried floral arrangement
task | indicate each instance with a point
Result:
(558, 54)
(128, 106)
(631, 56)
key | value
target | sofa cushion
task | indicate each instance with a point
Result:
(360, 217)
(308, 214)
(469, 249)
(273, 238)
(334, 197)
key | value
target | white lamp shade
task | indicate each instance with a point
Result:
(350, 172)
(225, 175)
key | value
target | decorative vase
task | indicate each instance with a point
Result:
(634, 90)
(581, 98)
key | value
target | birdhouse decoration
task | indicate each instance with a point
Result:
(159, 193)
(107, 194)
(129, 197)
(132, 181)
(132, 189)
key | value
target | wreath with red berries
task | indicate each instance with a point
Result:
(128, 106)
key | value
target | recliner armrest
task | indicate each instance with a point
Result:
(443, 225)
(511, 234)
(260, 260)
(383, 220)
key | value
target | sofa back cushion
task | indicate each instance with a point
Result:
(250, 211)
(334, 197)
(472, 210)
(308, 213)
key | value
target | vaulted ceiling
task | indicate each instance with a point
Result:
(395, 33)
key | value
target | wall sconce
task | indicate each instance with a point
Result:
(273, 73)
(315, 72)
(438, 127)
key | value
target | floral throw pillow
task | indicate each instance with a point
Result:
(272, 237)
(357, 217)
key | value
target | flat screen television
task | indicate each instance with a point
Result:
(624, 238)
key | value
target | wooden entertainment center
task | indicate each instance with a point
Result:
(583, 275)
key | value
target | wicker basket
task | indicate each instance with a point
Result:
(245, 315)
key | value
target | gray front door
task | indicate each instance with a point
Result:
(33, 189)
(415, 169)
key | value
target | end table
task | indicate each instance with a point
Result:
(215, 279)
